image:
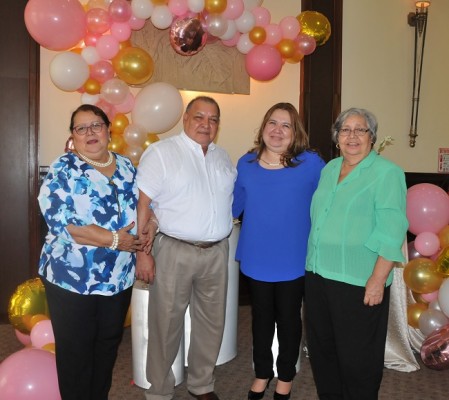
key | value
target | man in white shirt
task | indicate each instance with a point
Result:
(188, 181)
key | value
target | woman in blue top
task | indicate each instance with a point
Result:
(275, 184)
(358, 227)
(88, 200)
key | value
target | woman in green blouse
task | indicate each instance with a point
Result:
(358, 227)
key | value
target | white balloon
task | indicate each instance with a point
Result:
(195, 6)
(230, 32)
(90, 54)
(92, 99)
(244, 45)
(434, 305)
(250, 4)
(443, 297)
(69, 71)
(216, 25)
(142, 8)
(245, 22)
(134, 135)
(431, 320)
(161, 17)
(114, 91)
(158, 107)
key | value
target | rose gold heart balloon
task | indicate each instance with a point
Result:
(435, 349)
(187, 36)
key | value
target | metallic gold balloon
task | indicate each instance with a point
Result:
(316, 25)
(159, 2)
(286, 47)
(418, 298)
(117, 143)
(28, 300)
(296, 58)
(442, 262)
(92, 86)
(215, 6)
(257, 35)
(49, 347)
(151, 138)
(413, 313)
(123, 45)
(133, 65)
(119, 123)
(443, 235)
(421, 275)
(37, 318)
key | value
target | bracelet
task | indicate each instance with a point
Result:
(156, 222)
(114, 241)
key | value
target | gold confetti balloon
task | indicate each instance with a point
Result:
(316, 25)
(29, 299)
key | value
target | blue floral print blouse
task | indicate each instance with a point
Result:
(74, 192)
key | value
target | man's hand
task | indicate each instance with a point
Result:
(145, 267)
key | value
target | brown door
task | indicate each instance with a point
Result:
(19, 73)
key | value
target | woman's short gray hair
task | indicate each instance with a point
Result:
(370, 119)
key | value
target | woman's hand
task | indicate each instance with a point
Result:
(374, 291)
(127, 241)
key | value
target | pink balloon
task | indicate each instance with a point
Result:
(429, 297)
(22, 337)
(127, 105)
(107, 47)
(262, 16)
(42, 334)
(102, 71)
(120, 11)
(274, 34)
(136, 23)
(121, 31)
(29, 374)
(306, 44)
(108, 109)
(427, 243)
(427, 208)
(234, 9)
(289, 27)
(435, 349)
(98, 21)
(91, 38)
(178, 7)
(55, 24)
(263, 62)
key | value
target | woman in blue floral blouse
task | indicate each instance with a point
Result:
(88, 200)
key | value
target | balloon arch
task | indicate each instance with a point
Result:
(97, 58)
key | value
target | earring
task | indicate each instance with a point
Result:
(337, 146)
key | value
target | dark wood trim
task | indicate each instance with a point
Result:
(320, 90)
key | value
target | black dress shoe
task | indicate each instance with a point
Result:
(278, 396)
(259, 395)
(205, 396)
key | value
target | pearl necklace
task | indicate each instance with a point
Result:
(270, 164)
(98, 164)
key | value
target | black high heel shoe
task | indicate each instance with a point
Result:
(259, 395)
(278, 396)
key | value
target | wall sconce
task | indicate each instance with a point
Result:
(418, 20)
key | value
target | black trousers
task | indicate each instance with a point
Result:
(345, 339)
(88, 330)
(276, 304)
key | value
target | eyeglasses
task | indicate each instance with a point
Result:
(357, 131)
(95, 127)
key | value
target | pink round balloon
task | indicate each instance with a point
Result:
(127, 105)
(29, 374)
(136, 23)
(429, 297)
(91, 38)
(234, 9)
(22, 337)
(262, 16)
(121, 31)
(107, 47)
(120, 11)
(274, 34)
(55, 24)
(306, 44)
(263, 62)
(108, 109)
(98, 21)
(178, 7)
(289, 27)
(42, 334)
(427, 208)
(427, 243)
(102, 71)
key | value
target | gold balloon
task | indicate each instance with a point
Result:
(159, 2)
(442, 262)
(49, 347)
(123, 45)
(215, 6)
(28, 300)
(151, 138)
(296, 58)
(128, 318)
(316, 25)
(443, 235)
(133, 65)
(413, 313)
(287, 48)
(117, 143)
(421, 275)
(257, 35)
(92, 86)
(418, 298)
(37, 318)
(119, 123)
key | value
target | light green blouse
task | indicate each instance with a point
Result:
(357, 220)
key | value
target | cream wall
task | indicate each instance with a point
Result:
(241, 114)
(378, 75)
